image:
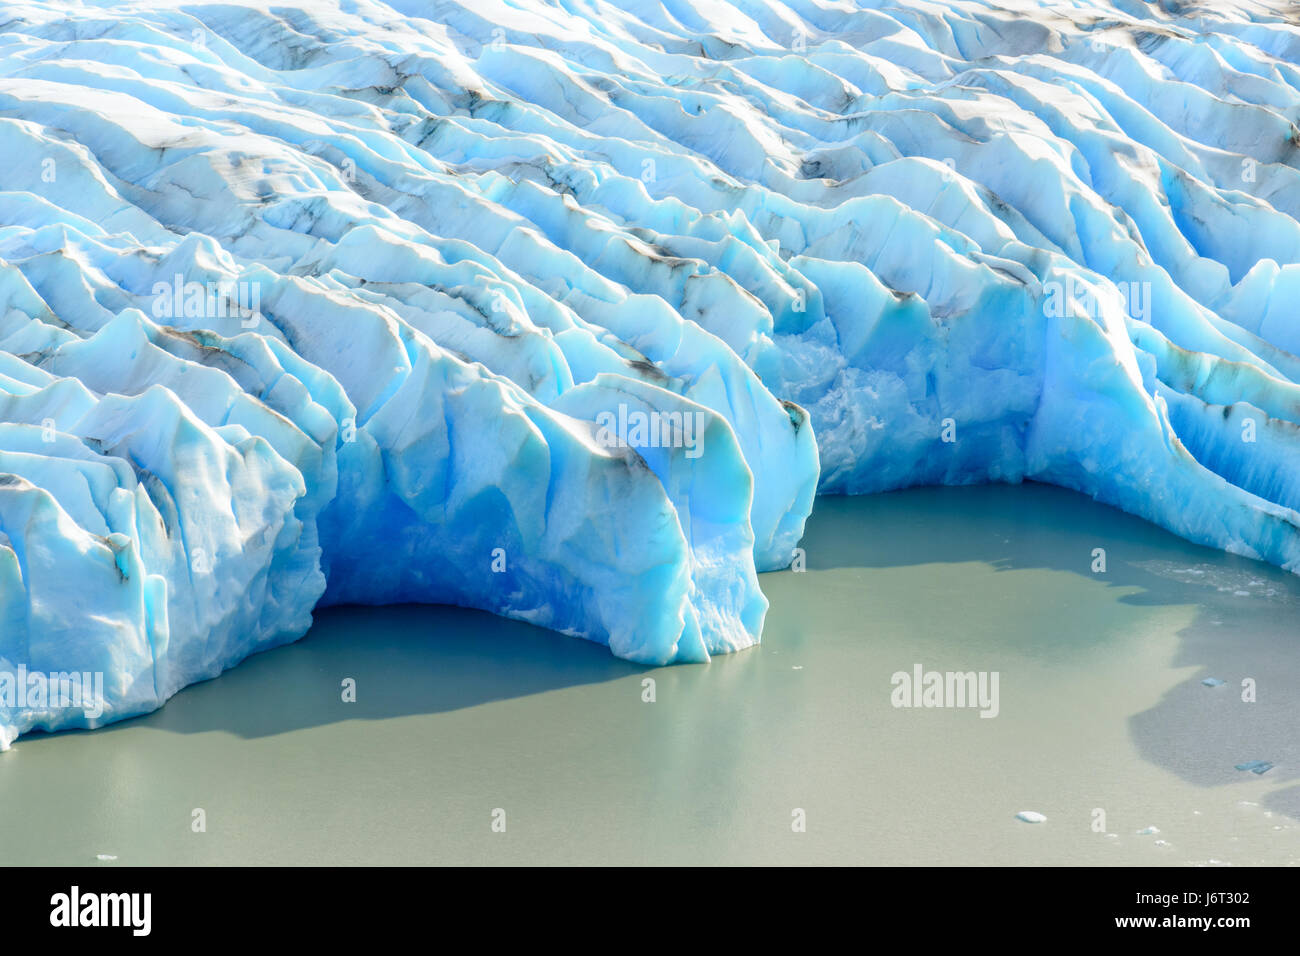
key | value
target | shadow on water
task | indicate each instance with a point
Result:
(404, 659)
(1247, 613)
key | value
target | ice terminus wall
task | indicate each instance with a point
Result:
(565, 311)
(271, 338)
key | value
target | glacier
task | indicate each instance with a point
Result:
(567, 311)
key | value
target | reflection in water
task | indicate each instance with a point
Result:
(458, 713)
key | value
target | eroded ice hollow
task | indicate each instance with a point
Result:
(566, 313)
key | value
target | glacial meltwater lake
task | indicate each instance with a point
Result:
(1103, 724)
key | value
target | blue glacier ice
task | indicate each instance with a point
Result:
(568, 311)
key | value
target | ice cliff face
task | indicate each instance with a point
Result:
(538, 308)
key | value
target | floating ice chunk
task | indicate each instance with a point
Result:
(1031, 816)
(1212, 682)
(1256, 766)
(1148, 831)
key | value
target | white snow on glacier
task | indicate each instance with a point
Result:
(327, 303)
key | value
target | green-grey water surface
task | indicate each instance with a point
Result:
(460, 714)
